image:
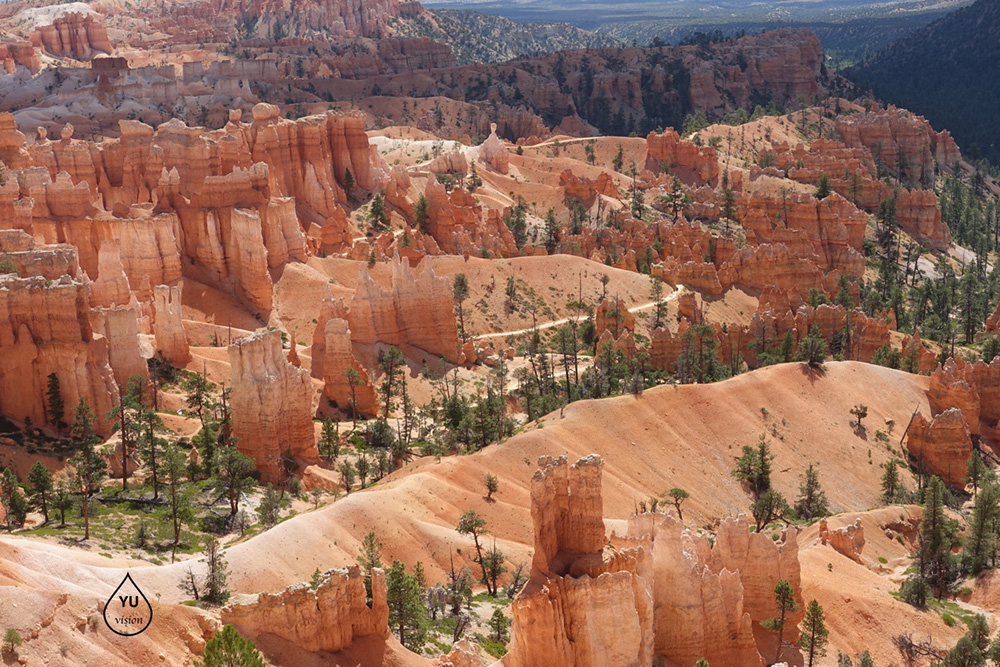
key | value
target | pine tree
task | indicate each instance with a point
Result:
(499, 623)
(784, 602)
(370, 559)
(471, 523)
(62, 500)
(936, 537)
(977, 471)
(14, 503)
(981, 537)
(348, 182)
(823, 188)
(814, 633)
(40, 480)
(54, 399)
(459, 293)
(218, 573)
(90, 467)
(234, 476)
(812, 502)
(407, 616)
(551, 232)
(812, 349)
(178, 508)
(199, 397)
(891, 487)
(228, 649)
(421, 216)
(678, 496)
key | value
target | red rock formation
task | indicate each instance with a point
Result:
(585, 190)
(120, 326)
(949, 389)
(848, 540)
(695, 165)
(493, 152)
(171, 340)
(563, 620)
(337, 359)
(30, 259)
(613, 315)
(45, 328)
(852, 173)
(326, 618)
(993, 321)
(942, 446)
(339, 18)
(73, 35)
(661, 593)
(417, 312)
(903, 141)
(457, 223)
(700, 609)
(271, 404)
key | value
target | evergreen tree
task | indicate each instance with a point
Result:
(823, 188)
(269, 507)
(551, 232)
(814, 633)
(179, 510)
(499, 623)
(62, 500)
(471, 523)
(377, 216)
(891, 486)
(40, 480)
(459, 293)
(234, 476)
(199, 395)
(14, 503)
(784, 602)
(937, 534)
(228, 649)
(977, 471)
(981, 537)
(812, 349)
(348, 182)
(90, 466)
(370, 559)
(678, 496)
(812, 502)
(770, 506)
(421, 215)
(54, 400)
(216, 578)
(407, 616)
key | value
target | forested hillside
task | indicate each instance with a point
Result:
(946, 71)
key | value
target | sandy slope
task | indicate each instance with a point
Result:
(685, 436)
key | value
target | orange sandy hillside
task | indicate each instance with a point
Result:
(687, 436)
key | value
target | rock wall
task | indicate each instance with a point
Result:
(695, 165)
(45, 328)
(699, 611)
(906, 143)
(120, 326)
(338, 359)
(942, 445)
(74, 35)
(563, 615)
(326, 619)
(271, 404)
(417, 311)
(168, 328)
(662, 592)
(232, 203)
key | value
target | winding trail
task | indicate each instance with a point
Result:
(555, 323)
